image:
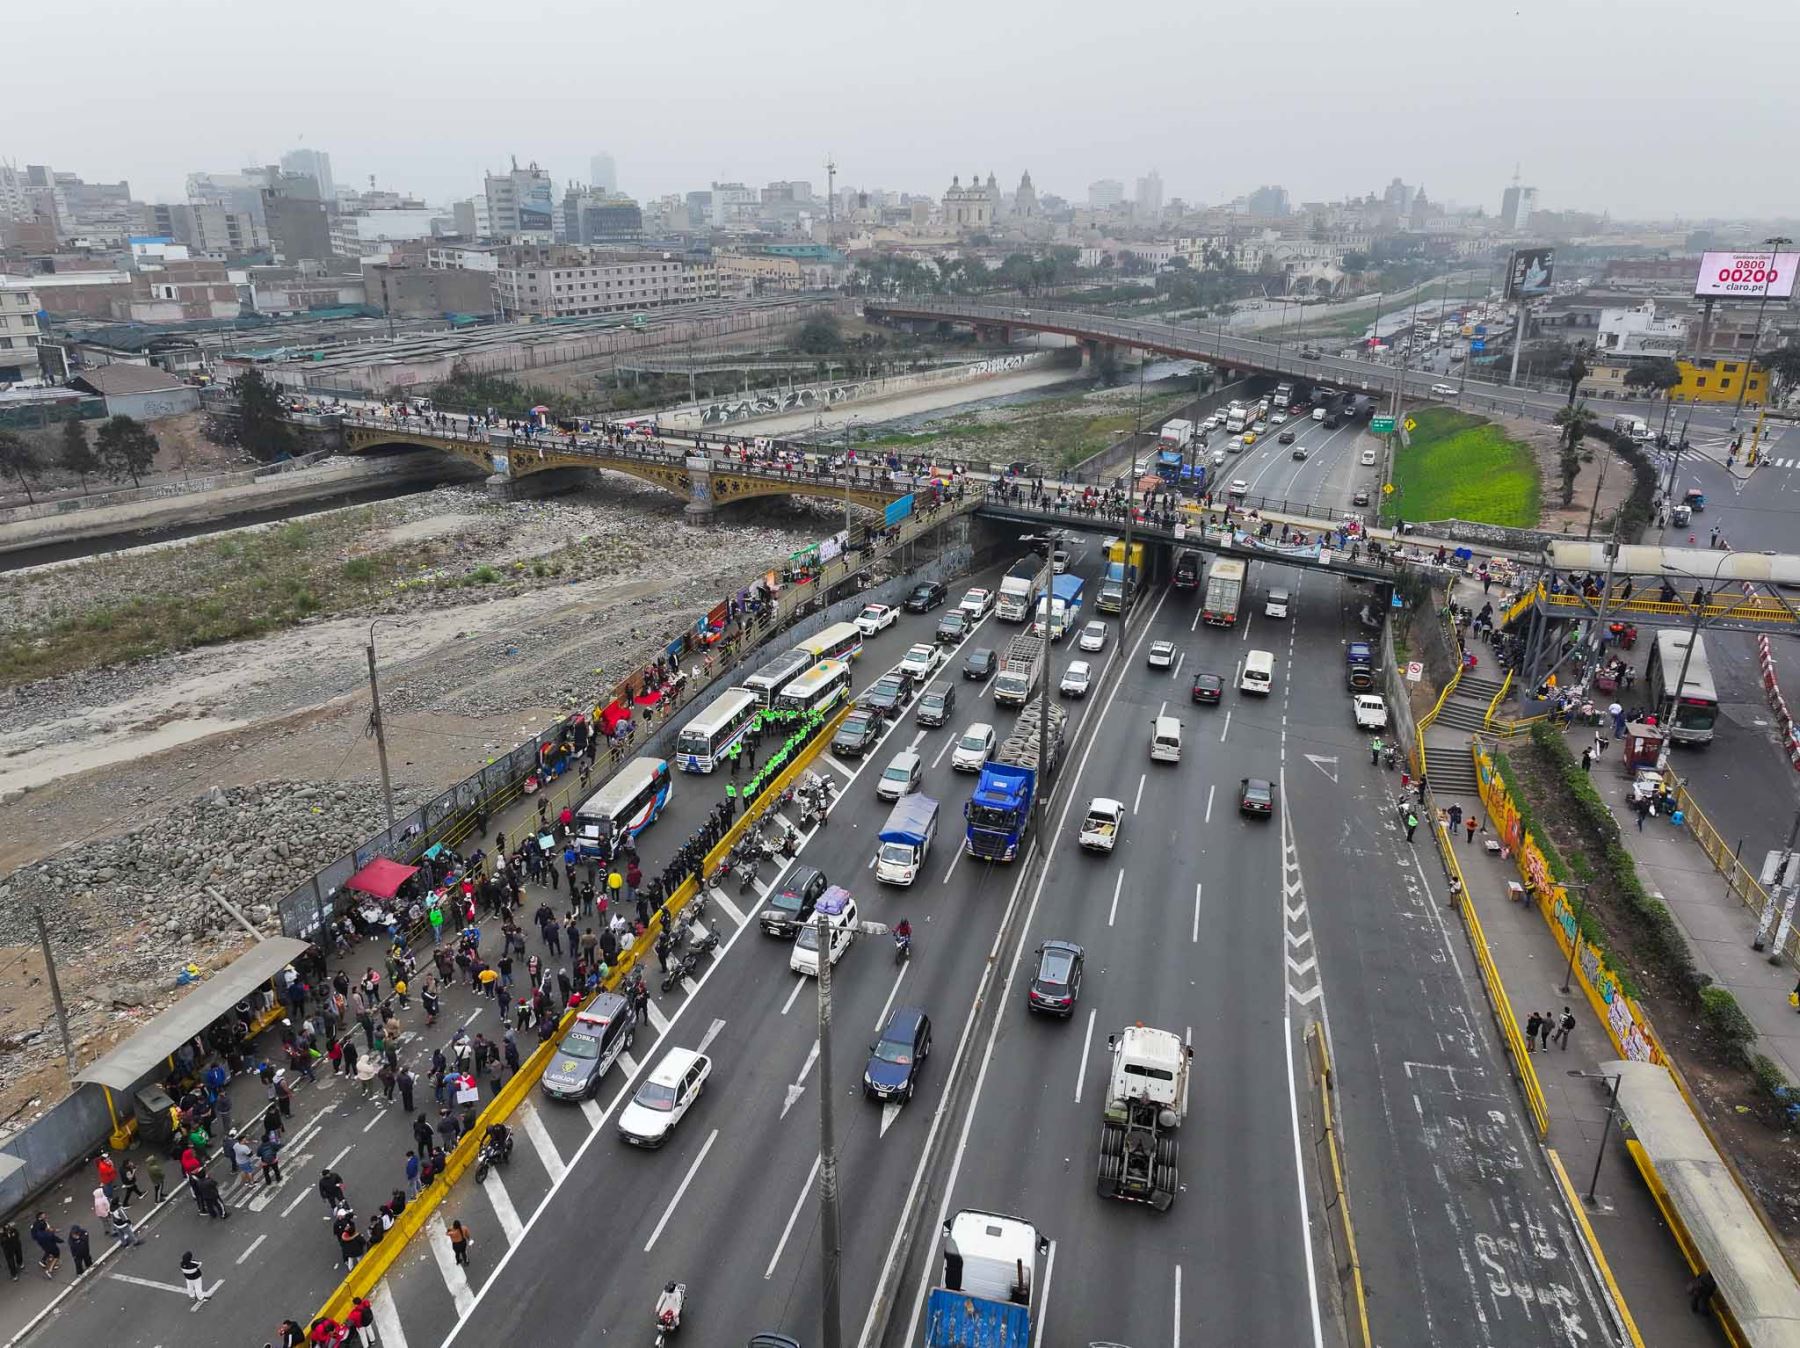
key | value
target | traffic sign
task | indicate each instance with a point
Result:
(1478, 345)
(1415, 671)
(1387, 489)
(1382, 425)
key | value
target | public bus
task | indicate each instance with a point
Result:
(1697, 709)
(819, 689)
(704, 741)
(628, 804)
(840, 641)
(778, 674)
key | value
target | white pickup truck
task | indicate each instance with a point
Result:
(1100, 830)
(1370, 710)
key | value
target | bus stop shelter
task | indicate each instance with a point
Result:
(150, 1052)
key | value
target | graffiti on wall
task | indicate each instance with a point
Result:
(777, 401)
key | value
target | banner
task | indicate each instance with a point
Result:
(1745, 275)
(1528, 273)
(898, 510)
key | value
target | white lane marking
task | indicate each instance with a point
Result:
(1312, 1282)
(1176, 671)
(892, 993)
(178, 1288)
(730, 909)
(1249, 617)
(1043, 1315)
(1138, 800)
(1226, 728)
(590, 1109)
(1118, 885)
(340, 1156)
(949, 743)
(455, 1278)
(1196, 912)
(799, 982)
(1087, 1042)
(503, 1207)
(686, 1180)
(890, 1110)
(533, 1124)
(251, 1248)
(1175, 1342)
(627, 1064)
(950, 870)
(964, 1042)
(797, 1087)
(788, 1230)
(377, 1119)
(1210, 791)
(388, 1331)
(1163, 710)
(658, 1021)
(712, 1033)
(299, 1198)
(1195, 625)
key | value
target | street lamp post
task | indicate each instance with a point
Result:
(1612, 1107)
(378, 730)
(1774, 244)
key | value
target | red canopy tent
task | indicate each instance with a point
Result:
(381, 877)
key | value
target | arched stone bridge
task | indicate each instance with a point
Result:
(707, 480)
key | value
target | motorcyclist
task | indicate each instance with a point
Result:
(499, 1137)
(903, 935)
(668, 1305)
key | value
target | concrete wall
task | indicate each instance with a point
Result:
(149, 406)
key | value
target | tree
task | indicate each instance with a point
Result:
(1576, 422)
(1355, 264)
(127, 446)
(1577, 371)
(1783, 364)
(262, 424)
(817, 336)
(16, 458)
(75, 455)
(1019, 271)
(1657, 375)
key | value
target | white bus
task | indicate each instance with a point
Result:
(628, 804)
(778, 674)
(704, 741)
(1691, 717)
(819, 689)
(840, 641)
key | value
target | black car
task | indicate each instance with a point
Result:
(896, 1057)
(1361, 497)
(1056, 984)
(792, 901)
(594, 1043)
(1256, 796)
(885, 696)
(980, 663)
(1285, 438)
(953, 627)
(859, 731)
(925, 596)
(1208, 688)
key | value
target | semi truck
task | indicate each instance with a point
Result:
(1146, 1100)
(1061, 608)
(1021, 581)
(998, 815)
(1224, 590)
(1284, 395)
(1019, 669)
(1188, 570)
(988, 1294)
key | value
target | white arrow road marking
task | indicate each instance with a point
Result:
(1308, 997)
(1302, 967)
(795, 1091)
(889, 1112)
(1320, 761)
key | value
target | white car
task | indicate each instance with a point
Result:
(977, 602)
(1215, 421)
(1075, 679)
(1239, 487)
(1237, 444)
(1162, 654)
(974, 749)
(874, 618)
(921, 661)
(1276, 606)
(1276, 418)
(1444, 390)
(1100, 829)
(1368, 458)
(1059, 562)
(1093, 636)
(665, 1096)
(1370, 711)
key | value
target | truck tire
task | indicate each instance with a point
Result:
(1112, 1141)
(1167, 1149)
(1111, 1168)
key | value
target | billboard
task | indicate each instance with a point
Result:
(1744, 274)
(1528, 273)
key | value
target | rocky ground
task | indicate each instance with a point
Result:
(125, 791)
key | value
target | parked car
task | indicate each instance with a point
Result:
(792, 901)
(859, 730)
(1367, 458)
(664, 1098)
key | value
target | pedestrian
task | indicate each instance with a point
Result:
(1469, 826)
(1700, 1292)
(1455, 814)
(191, 1275)
(1587, 758)
(351, 1245)
(412, 1174)
(268, 1153)
(107, 1172)
(79, 1250)
(331, 1187)
(460, 1240)
(49, 1241)
(1412, 823)
(120, 1227)
(405, 1080)
(153, 1167)
(206, 1194)
(422, 1133)
(1563, 1029)
(289, 1334)
(1546, 1023)
(14, 1250)
(1532, 1025)
(129, 1187)
(361, 1321)
(102, 1204)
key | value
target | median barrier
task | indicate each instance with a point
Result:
(1349, 1265)
(373, 1267)
(1578, 1209)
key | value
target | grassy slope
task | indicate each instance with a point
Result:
(1463, 467)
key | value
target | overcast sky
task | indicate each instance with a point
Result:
(1648, 108)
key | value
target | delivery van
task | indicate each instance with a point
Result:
(840, 925)
(1259, 674)
(1165, 739)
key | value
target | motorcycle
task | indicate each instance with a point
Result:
(746, 875)
(668, 1310)
(679, 966)
(492, 1154)
(902, 948)
(699, 938)
(1391, 759)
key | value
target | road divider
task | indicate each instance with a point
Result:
(1578, 1210)
(1337, 1196)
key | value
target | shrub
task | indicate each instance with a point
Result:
(1725, 1018)
(484, 575)
(1770, 1077)
(360, 569)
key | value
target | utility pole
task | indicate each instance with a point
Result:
(830, 200)
(1774, 244)
(376, 729)
(1781, 899)
(56, 997)
(830, 1242)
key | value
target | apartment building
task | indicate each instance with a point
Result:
(18, 331)
(562, 282)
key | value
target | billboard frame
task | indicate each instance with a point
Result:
(1518, 267)
(1717, 261)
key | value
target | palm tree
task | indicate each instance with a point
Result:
(1576, 422)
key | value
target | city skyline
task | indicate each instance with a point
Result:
(885, 135)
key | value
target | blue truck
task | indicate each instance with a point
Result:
(1169, 463)
(988, 1291)
(1063, 608)
(998, 815)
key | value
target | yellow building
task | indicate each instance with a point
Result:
(1717, 380)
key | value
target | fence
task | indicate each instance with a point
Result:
(1739, 881)
(1337, 1196)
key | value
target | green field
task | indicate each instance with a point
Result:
(1463, 467)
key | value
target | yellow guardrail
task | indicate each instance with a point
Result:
(1351, 1272)
(1425, 721)
(369, 1271)
(1759, 610)
(1499, 697)
(1503, 1012)
(1573, 1202)
(1739, 880)
(1527, 597)
(1679, 1230)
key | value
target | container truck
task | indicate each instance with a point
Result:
(999, 813)
(988, 1294)
(1062, 607)
(1224, 588)
(1019, 670)
(1016, 588)
(1146, 1100)
(1188, 570)
(1176, 434)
